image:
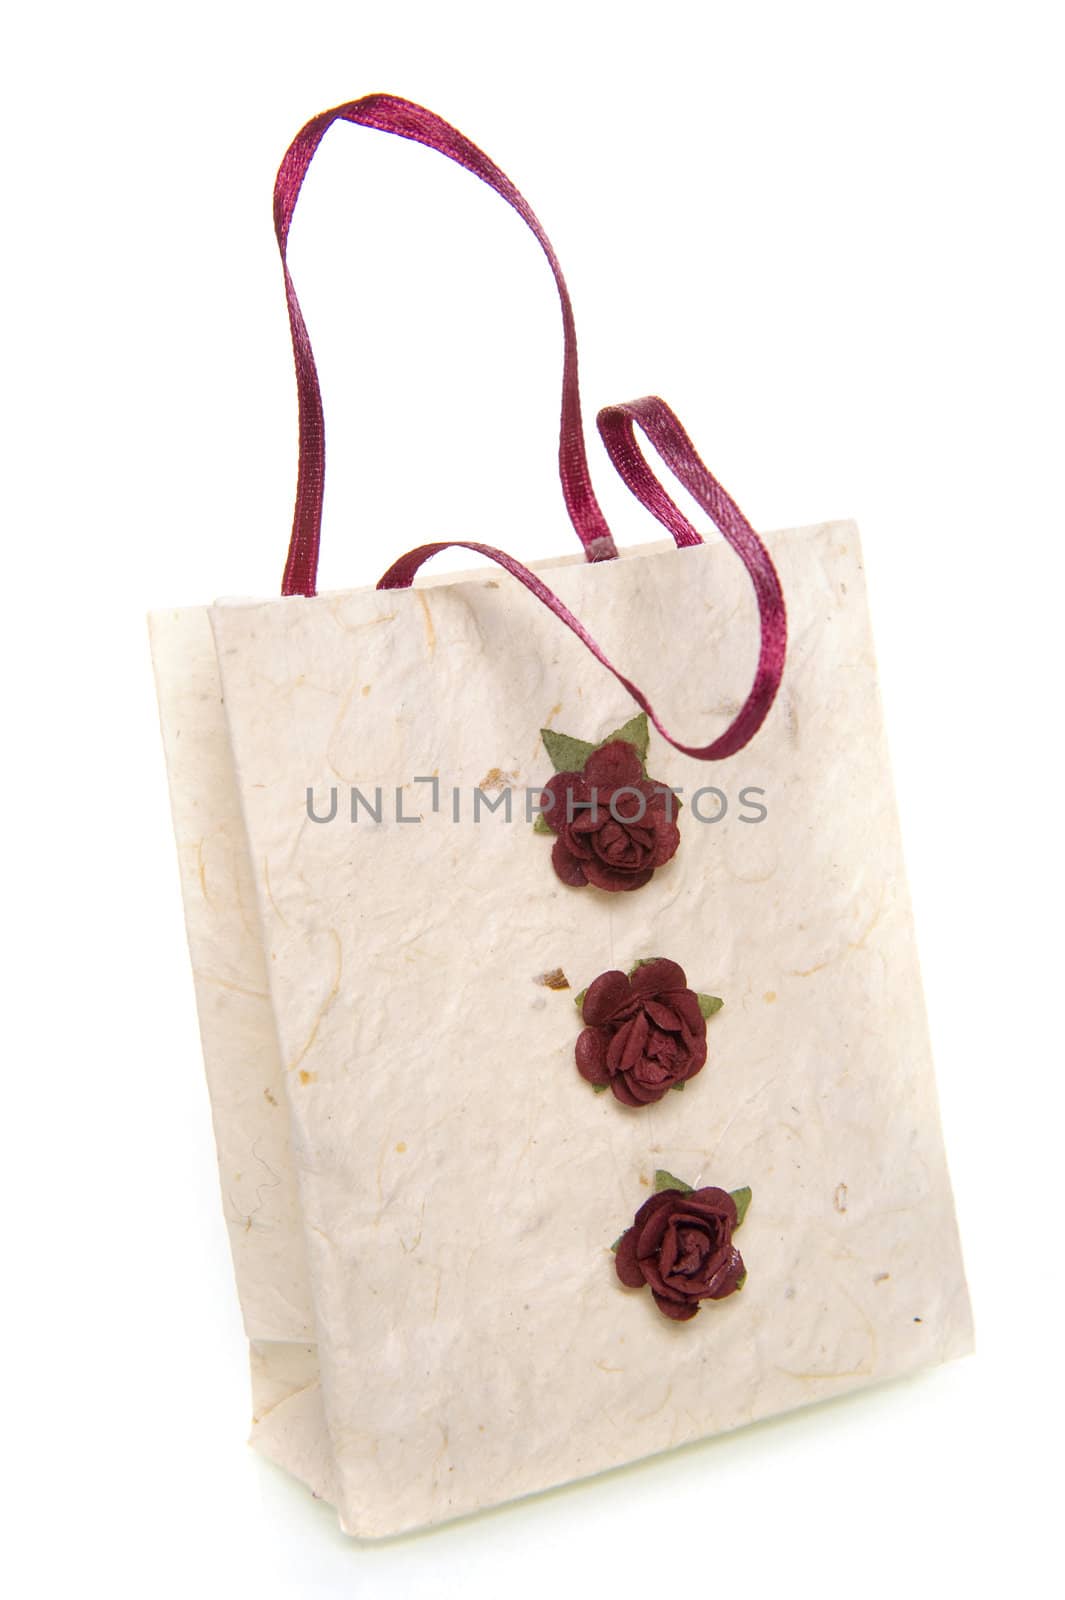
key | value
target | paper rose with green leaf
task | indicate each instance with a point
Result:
(644, 1031)
(613, 825)
(680, 1246)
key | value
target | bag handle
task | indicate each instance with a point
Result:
(617, 426)
(679, 454)
(388, 114)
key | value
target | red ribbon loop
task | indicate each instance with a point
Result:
(677, 450)
(662, 427)
(388, 114)
(617, 426)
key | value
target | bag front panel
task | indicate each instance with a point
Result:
(461, 1185)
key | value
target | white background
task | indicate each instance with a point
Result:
(829, 235)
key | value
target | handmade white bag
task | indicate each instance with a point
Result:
(422, 1190)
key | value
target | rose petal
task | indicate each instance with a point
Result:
(621, 1091)
(557, 788)
(627, 806)
(549, 812)
(676, 1310)
(667, 1250)
(657, 977)
(622, 856)
(649, 1268)
(590, 1054)
(659, 799)
(636, 1093)
(696, 1063)
(663, 1015)
(576, 843)
(725, 1281)
(619, 1039)
(654, 1229)
(567, 866)
(605, 994)
(717, 1234)
(717, 1227)
(685, 1003)
(698, 1281)
(672, 1245)
(663, 1200)
(613, 879)
(667, 839)
(712, 1202)
(614, 848)
(625, 1262)
(635, 1036)
(697, 1050)
(649, 1074)
(626, 1012)
(665, 1052)
(614, 766)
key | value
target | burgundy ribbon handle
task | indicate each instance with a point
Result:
(617, 426)
(388, 114)
(679, 454)
(664, 430)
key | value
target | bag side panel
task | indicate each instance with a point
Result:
(248, 1107)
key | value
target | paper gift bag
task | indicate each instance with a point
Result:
(549, 1144)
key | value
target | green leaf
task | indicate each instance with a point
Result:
(571, 755)
(541, 825)
(739, 1282)
(600, 1088)
(578, 1001)
(666, 1180)
(679, 1088)
(567, 754)
(617, 1241)
(709, 1003)
(742, 1197)
(635, 732)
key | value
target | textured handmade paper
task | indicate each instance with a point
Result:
(460, 1185)
(244, 1076)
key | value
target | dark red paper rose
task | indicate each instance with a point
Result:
(613, 825)
(643, 1034)
(680, 1246)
